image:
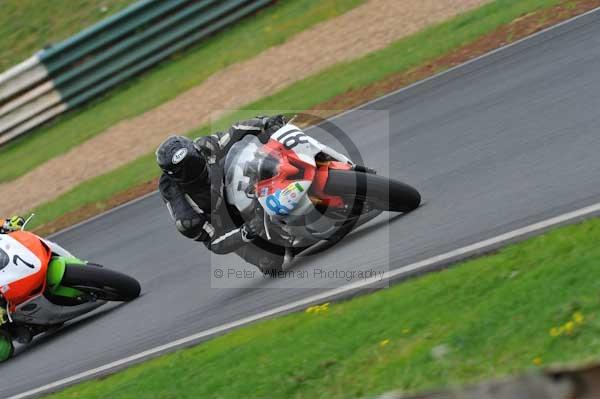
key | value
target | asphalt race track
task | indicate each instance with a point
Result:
(502, 142)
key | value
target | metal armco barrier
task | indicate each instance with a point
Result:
(98, 58)
(581, 382)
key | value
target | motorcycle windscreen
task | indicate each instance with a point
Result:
(4, 259)
(242, 170)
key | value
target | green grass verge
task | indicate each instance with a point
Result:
(269, 27)
(28, 25)
(400, 56)
(530, 304)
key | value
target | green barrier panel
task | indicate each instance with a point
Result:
(114, 50)
(146, 42)
(139, 46)
(140, 66)
(106, 31)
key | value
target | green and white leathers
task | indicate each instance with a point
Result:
(3, 316)
(6, 346)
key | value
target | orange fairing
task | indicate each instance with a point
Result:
(21, 290)
(320, 181)
(290, 166)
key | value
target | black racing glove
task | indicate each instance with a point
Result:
(253, 229)
(274, 123)
(256, 226)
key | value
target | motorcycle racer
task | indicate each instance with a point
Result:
(42, 285)
(192, 188)
(14, 223)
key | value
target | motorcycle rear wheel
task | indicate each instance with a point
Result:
(381, 192)
(104, 284)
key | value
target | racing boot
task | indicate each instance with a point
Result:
(270, 265)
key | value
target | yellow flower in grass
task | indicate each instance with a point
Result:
(537, 361)
(569, 328)
(555, 331)
(318, 308)
(384, 342)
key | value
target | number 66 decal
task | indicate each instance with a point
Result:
(292, 138)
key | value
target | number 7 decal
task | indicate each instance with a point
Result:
(17, 257)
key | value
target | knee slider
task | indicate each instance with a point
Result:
(190, 228)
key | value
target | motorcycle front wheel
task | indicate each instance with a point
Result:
(104, 284)
(381, 192)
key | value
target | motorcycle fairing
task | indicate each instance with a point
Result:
(318, 187)
(39, 310)
(24, 276)
(292, 138)
(287, 176)
(298, 171)
(56, 271)
(282, 194)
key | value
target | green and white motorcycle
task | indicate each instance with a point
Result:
(42, 286)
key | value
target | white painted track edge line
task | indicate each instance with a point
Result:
(409, 87)
(445, 257)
